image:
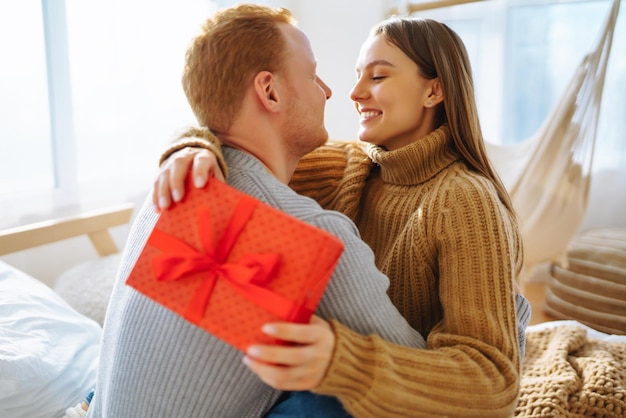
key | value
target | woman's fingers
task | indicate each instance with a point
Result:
(279, 355)
(178, 172)
(161, 192)
(288, 368)
(284, 377)
(298, 333)
(170, 184)
(205, 166)
(300, 363)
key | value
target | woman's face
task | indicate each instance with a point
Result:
(392, 98)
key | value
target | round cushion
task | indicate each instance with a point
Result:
(592, 287)
(87, 286)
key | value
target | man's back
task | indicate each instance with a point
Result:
(156, 364)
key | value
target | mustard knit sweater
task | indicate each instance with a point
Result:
(452, 252)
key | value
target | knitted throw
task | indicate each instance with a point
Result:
(566, 374)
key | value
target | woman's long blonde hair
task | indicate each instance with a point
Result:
(440, 53)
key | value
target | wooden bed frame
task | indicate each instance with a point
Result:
(94, 224)
(428, 5)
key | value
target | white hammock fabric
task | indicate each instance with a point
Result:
(548, 175)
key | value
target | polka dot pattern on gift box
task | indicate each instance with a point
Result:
(307, 257)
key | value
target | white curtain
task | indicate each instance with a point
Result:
(549, 174)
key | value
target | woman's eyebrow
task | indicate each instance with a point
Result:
(379, 62)
(374, 64)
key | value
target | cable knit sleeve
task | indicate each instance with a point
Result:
(200, 138)
(334, 175)
(472, 364)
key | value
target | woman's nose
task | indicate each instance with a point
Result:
(357, 92)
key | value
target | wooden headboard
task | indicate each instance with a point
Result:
(94, 224)
(414, 7)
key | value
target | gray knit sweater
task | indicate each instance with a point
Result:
(155, 364)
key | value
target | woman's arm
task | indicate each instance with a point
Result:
(472, 365)
(196, 137)
(334, 174)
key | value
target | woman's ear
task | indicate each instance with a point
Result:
(436, 93)
(266, 91)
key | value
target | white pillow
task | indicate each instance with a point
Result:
(48, 351)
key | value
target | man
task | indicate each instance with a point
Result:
(250, 77)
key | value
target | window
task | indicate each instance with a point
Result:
(523, 54)
(24, 111)
(545, 44)
(90, 95)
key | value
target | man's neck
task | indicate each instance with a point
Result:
(274, 158)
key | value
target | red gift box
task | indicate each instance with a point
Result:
(230, 263)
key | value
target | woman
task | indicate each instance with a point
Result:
(429, 203)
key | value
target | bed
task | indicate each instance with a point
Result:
(49, 336)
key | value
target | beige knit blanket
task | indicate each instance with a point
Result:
(567, 374)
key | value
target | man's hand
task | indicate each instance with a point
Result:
(170, 184)
(300, 366)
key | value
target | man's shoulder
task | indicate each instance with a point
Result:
(270, 191)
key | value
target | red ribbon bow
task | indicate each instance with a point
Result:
(180, 260)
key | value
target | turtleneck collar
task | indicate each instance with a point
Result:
(418, 161)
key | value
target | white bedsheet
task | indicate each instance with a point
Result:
(48, 351)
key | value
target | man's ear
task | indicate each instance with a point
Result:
(266, 90)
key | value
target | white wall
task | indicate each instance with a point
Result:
(607, 200)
